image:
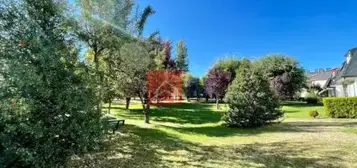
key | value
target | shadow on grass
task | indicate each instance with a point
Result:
(145, 147)
(285, 127)
(325, 124)
(299, 104)
(184, 113)
(223, 131)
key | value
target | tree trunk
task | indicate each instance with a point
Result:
(110, 106)
(96, 61)
(127, 102)
(146, 108)
(207, 99)
(217, 103)
(147, 114)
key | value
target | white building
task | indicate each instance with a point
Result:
(319, 78)
(343, 82)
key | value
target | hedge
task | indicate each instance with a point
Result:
(341, 107)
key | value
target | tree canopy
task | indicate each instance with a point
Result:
(285, 75)
(250, 100)
(216, 83)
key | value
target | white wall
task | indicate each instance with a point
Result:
(351, 89)
(339, 91)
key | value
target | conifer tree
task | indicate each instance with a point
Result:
(250, 100)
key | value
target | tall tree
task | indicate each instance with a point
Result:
(181, 56)
(46, 98)
(216, 83)
(101, 26)
(284, 73)
(137, 64)
(250, 100)
(228, 64)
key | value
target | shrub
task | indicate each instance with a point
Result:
(313, 113)
(341, 107)
(311, 100)
(251, 102)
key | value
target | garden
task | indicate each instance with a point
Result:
(79, 81)
(190, 135)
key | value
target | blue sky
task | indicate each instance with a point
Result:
(316, 33)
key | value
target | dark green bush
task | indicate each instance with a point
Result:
(250, 99)
(341, 107)
(314, 113)
(312, 100)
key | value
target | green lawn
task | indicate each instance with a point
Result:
(190, 135)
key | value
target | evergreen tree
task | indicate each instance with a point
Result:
(47, 101)
(251, 102)
(181, 56)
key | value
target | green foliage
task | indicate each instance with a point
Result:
(313, 113)
(229, 64)
(312, 100)
(341, 107)
(143, 18)
(47, 96)
(251, 102)
(181, 56)
(284, 73)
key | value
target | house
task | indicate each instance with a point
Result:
(318, 79)
(343, 82)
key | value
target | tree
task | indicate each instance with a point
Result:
(250, 100)
(47, 100)
(168, 62)
(181, 56)
(186, 85)
(285, 75)
(194, 87)
(137, 63)
(216, 83)
(228, 64)
(104, 28)
(151, 44)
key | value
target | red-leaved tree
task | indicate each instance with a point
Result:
(216, 83)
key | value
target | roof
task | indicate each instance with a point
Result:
(349, 69)
(321, 76)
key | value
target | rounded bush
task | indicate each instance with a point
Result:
(314, 113)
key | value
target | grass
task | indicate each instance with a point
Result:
(191, 135)
(350, 130)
